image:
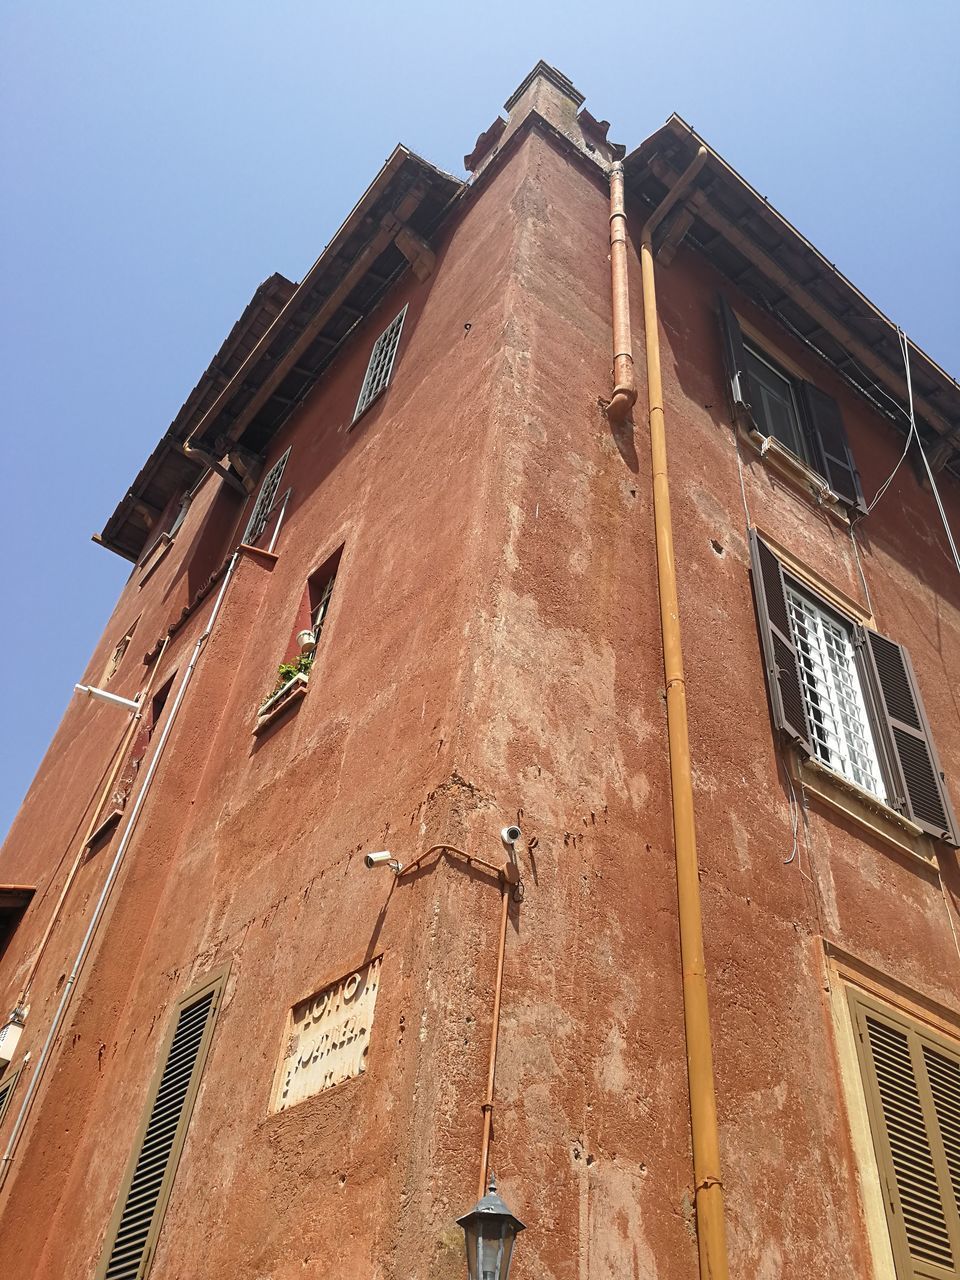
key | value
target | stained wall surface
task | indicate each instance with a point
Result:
(491, 655)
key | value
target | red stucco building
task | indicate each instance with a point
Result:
(244, 1052)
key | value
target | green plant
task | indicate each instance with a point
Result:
(287, 670)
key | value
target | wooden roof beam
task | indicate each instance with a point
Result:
(390, 224)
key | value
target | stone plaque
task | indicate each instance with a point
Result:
(327, 1037)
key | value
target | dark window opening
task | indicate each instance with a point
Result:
(14, 900)
(320, 592)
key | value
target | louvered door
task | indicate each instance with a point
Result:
(139, 1212)
(912, 1083)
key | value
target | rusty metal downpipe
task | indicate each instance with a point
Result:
(624, 380)
(708, 1186)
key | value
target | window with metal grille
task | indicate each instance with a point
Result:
(266, 500)
(911, 1079)
(7, 1087)
(847, 696)
(836, 710)
(133, 1231)
(380, 365)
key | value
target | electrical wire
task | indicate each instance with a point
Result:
(863, 576)
(902, 338)
(937, 499)
(905, 351)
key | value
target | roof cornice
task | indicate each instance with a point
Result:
(753, 244)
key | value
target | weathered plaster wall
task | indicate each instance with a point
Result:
(492, 654)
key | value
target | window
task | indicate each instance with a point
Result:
(136, 1222)
(773, 402)
(117, 656)
(294, 672)
(911, 1079)
(777, 409)
(7, 1086)
(320, 591)
(265, 502)
(836, 712)
(14, 900)
(847, 696)
(380, 365)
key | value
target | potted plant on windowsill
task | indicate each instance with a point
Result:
(290, 687)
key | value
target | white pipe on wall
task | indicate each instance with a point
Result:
(110, 881)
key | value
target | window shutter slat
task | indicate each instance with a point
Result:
(742, 393)
(779, 650)
(831, 444)
(920, 778)
(135, 1224)
(943, 1073)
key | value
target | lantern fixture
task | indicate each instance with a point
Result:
(490, 1230)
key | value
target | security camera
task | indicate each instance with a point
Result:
(510, 835)
(383, 859)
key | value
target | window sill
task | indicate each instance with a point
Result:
(859, 806)
(280, 703)
(795, 472)
(104, 829)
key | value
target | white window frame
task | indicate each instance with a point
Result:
(799, 448)
(841, 727)
(379, 370)
(266, 501)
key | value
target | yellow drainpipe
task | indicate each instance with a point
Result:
(708, 1186)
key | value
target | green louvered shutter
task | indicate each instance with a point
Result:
(139, 1213)
(912, 1085)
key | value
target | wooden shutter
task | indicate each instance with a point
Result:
(912, 1085)
(920, 782)
(741, 389)
(779, 650)
(831, 448)
(136, 1222)
(6, 1091)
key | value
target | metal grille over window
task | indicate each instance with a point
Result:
(138, 1222)
(381, 364)
(836, 711)
(265, 502)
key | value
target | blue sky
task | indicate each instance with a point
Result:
(160, 159)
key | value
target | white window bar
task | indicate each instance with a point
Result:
(380, 365)
(265, 502)
(839, 724)
(320, 610)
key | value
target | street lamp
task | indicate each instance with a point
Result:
(490, 1230)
